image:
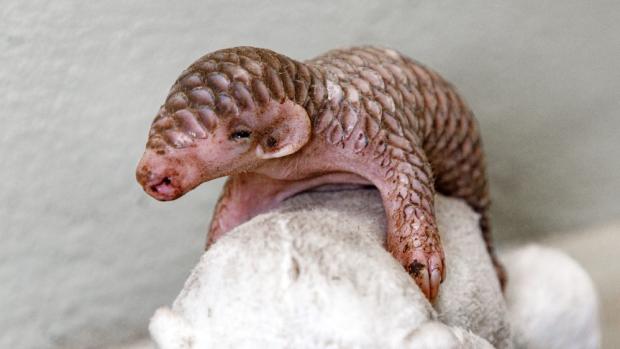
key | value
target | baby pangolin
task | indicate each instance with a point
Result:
(277, 127)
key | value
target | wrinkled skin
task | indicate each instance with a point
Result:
(277, 127)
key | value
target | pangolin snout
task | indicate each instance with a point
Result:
(163, 186)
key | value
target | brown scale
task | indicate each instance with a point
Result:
(412, 120)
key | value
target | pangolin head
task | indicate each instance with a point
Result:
(226, 113)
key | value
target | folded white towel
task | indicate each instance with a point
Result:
(314, 274)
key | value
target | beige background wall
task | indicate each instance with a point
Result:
(85, 256)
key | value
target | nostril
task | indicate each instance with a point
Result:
(167, 181)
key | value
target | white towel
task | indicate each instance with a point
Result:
(314, 274)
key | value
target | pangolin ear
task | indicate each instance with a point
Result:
(288, 133)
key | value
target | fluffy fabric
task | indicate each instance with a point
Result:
(552, 300)
(314, 274)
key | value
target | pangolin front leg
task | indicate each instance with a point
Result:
(412, 235)
(239, 202)
(224, 208)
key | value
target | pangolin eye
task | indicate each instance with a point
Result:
(237, 135)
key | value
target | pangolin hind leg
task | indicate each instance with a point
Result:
(454, 149)
(466, 179)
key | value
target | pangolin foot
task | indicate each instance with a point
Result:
(427, 269)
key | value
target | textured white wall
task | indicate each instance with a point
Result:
(85, 256)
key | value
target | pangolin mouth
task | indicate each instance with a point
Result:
(163, 190)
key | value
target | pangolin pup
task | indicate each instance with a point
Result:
(277, 127)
